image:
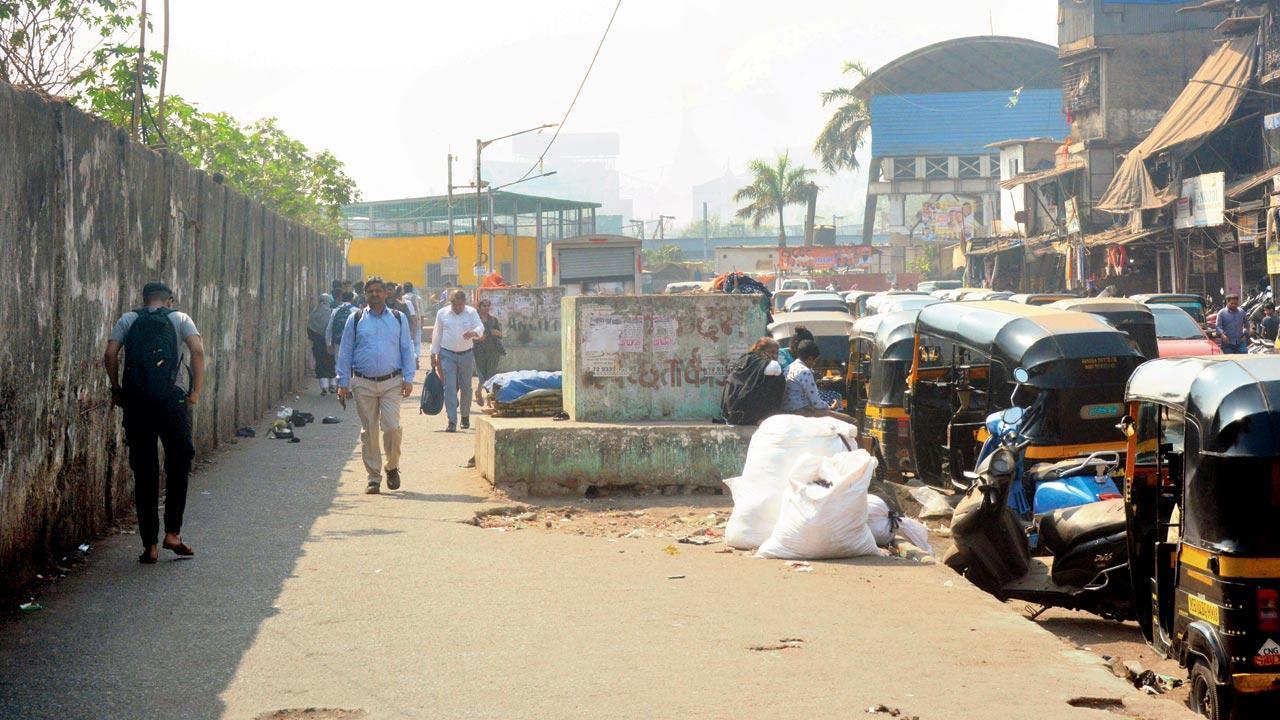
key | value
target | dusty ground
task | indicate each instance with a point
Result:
(309, 599)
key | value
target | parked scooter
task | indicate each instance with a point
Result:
(1088, 569)
(1258, 346)
(1045, 487)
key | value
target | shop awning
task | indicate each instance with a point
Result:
(1038, 175)
(1204, 106)
(997, 245)
(1120, 236)
(1244, 185)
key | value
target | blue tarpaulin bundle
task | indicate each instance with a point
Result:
(516, 385)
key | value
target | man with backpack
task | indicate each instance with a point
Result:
(376, 365)
(163, 375)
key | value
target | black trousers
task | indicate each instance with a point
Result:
(169, 422)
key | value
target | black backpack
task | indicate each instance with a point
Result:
(749, 395)
(151, 358)
(339, 323)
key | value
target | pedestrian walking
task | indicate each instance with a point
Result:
(376, 365)
(416, 313)
(488, 348)
(453, 339)
(1269, 326)
(317, 324)
(337, 323)
(163, 375)
(1232, 325)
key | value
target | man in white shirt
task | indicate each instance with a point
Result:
(457, 328)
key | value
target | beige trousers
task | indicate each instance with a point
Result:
(378, 404)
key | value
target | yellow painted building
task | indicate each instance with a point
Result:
(409, 259)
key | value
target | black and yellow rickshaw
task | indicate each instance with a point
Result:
(1128, 316)
(962, 370)
(832, 332)
(881, 360)
(1202, 502)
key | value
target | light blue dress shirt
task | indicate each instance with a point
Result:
(384, 346)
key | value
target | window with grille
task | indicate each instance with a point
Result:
(505, 269)
(435, 278)
(1015, 167)
(970, 166)
(1081, 86)
(937, 168)
(904, 168)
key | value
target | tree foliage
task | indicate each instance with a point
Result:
(772, 189)
(662, 256)
(838, 142)
(40, 43)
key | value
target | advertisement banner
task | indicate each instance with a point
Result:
(837, 258)
(1202, 202)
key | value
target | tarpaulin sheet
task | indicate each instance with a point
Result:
(1204, 106)
(516, 385)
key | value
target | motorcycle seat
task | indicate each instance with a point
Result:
(1042, 472)
(1062, 529)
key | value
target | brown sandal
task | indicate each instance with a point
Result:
(146, 558)
(181, 548)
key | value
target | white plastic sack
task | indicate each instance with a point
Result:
(775, 447)
(818, 522)
(911, 530)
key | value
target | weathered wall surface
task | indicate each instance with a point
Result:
(86, 218)
(653, 357)
(530, 320)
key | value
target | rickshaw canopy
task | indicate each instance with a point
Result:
(1034, 338)
(1233, 399)
(1129, 316)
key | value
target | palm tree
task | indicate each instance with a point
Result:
(846, 131)
(772, 189)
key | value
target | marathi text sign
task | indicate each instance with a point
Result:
(1202, 201)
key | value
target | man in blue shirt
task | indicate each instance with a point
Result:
(1231, 323)
(376, 363)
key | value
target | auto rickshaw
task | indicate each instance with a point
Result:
(878, 368)
(962, 371)
(1128, 316)
(1040, 298)
(1202, 504)
(832, 331)
(1193, 304)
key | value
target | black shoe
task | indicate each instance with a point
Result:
(372, 488)
(451, 428)
(393, 479)
(466, 423)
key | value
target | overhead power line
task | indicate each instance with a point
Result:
(538, 163)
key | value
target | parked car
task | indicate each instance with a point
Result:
(1179, 335)
(795, 284)
(929, 286)
(815, 300)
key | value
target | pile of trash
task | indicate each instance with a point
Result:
(526, 393)
(803, 495)
(740, 283)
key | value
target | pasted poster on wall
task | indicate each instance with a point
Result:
(1201, 204)
(665, 330)
(601, 348)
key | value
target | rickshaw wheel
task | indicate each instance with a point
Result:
(1208, 697)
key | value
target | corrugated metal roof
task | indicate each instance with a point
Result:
(962, 123)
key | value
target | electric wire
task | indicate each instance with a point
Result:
(538, 163)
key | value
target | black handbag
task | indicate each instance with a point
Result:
(432, 395)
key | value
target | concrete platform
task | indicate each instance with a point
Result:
(540, 456)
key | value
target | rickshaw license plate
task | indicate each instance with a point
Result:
(1204, 609)
(1104, 410)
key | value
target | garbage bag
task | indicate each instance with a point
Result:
(886, 523)
(828, 519)
(432, 395)
(775, 447)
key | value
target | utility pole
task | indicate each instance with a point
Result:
(448, 210)
(706, 234)
(479, 248)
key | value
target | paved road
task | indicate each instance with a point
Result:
(306, 593)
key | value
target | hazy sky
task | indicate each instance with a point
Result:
(692, 86)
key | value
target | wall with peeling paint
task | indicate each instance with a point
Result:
(530, 320)
(653, 357)
(86, 218)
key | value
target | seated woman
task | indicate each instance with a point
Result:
(787, 355)
(753, 389)
(801, 396)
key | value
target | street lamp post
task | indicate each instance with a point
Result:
(480, 146)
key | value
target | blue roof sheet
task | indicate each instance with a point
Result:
(961, 123)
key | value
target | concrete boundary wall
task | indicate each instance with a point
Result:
(86, 218)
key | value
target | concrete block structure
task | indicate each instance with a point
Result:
(653, 357)
(530, 320)
(538, 456)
